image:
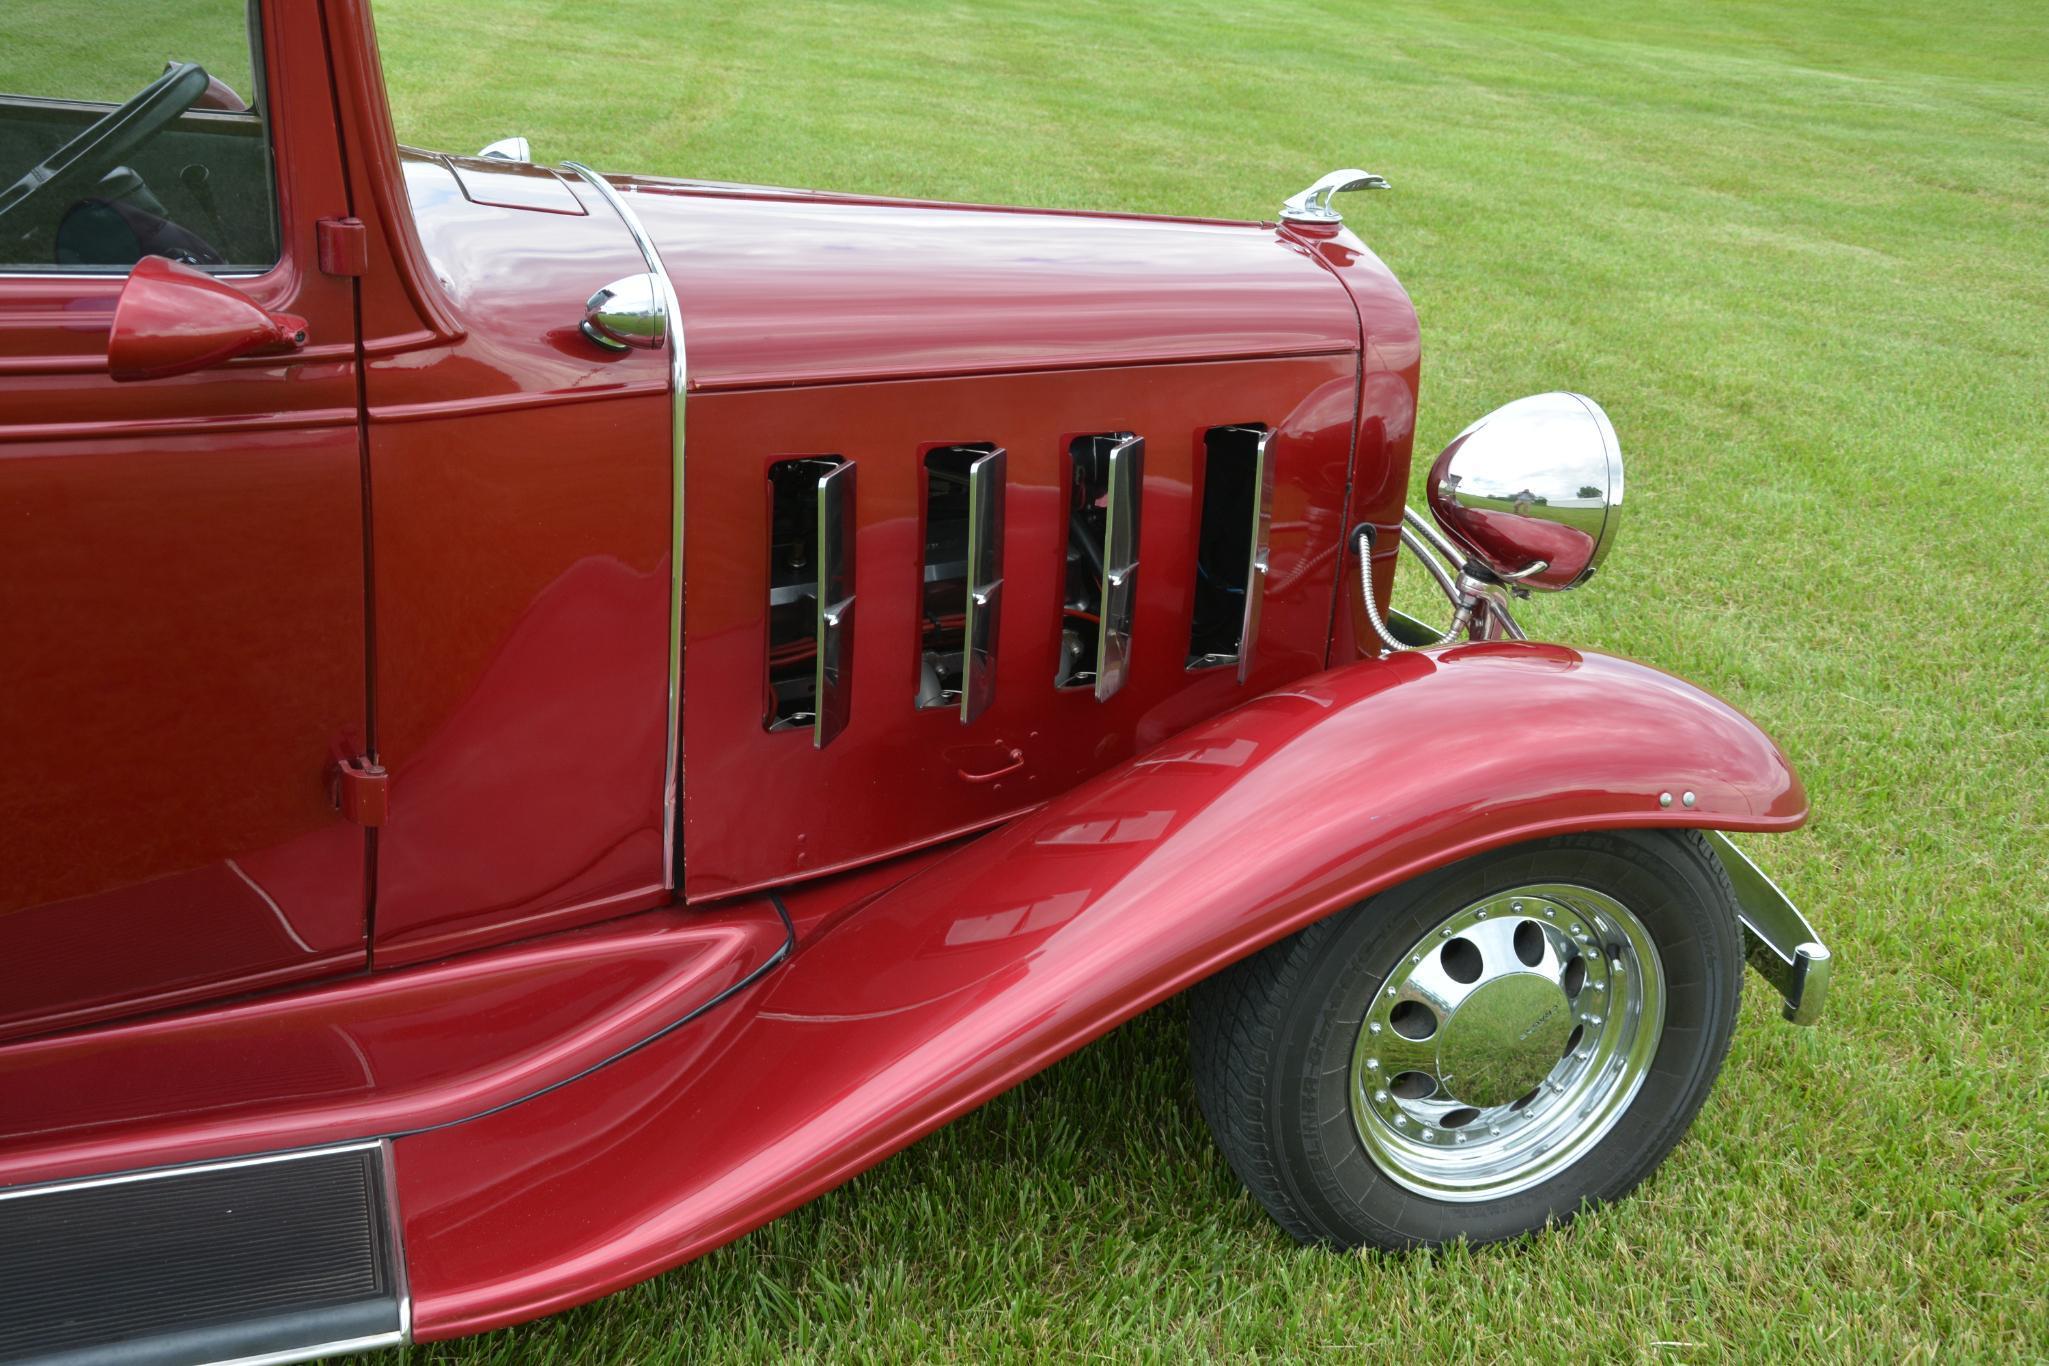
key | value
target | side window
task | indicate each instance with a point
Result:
(136, 130)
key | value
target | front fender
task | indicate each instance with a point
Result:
(1257, 822)
(1024, 944)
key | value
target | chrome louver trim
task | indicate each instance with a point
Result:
(833, 692)
(986, 478)
(671, 770)
(1124, 475)
(1262, 537)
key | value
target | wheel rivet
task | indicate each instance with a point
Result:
(1493, 1128)
(1550, 914)
(1372, 1064)
(1444, 933)
(1415, 958)
(1390, 993)
(1428, 1134)
(1373, 1027)
(1614, 965)
(1460, 1139)
(1479, 915)
(1516, 906)
(1401, 1121)
(1380, 1097)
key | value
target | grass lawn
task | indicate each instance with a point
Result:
(1802, 255)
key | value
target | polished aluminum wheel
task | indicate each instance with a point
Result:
(1507, 1042)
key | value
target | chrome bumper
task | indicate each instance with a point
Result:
(1777, 939)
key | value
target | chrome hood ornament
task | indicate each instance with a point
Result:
(1313, 204)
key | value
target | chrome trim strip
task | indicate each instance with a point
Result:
(1124, 477)
(678, 384)
(185, 1169)
(987, 477)
(1777, 940)
(832, 695)
(314, 1353)
(1262, 538)
(401, 1282)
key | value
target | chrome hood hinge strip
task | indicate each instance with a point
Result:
(678, 381)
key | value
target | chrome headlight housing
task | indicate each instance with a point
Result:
(1533, 490)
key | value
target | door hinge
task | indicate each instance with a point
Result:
(361, 791)
(344, 246)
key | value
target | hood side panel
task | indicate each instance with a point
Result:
(762, 808)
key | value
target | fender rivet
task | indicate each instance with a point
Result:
(1664, 799)
(1686, 799)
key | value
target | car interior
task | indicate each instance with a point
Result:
(153, 145)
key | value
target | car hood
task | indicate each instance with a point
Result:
(781, 287)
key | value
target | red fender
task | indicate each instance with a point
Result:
(1019, 947)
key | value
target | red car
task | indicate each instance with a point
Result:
(552, 717)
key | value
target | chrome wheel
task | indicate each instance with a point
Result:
(1507, 1042)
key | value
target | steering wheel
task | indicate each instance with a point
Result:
(40, 196)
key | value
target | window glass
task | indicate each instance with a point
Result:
(132, 130)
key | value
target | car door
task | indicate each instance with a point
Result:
(182, 631)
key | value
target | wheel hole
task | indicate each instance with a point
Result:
(1462, 961)
(1520, 1104)
(1412, 1020)
(1529, 943)
(1575, 975)
(1459, 1118)
(1572, 1040)
(1413, 1085)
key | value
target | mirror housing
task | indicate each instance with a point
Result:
(1536, 480)
(172, 319)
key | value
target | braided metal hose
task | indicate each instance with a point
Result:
(1389, 641)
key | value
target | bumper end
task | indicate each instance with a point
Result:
(1777, 939)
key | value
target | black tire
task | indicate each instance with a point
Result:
(1273, 1038)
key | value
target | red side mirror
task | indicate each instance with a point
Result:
(171, 319)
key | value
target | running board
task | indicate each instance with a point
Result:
(268, 1259)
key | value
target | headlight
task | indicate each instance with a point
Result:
(1533, 490)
